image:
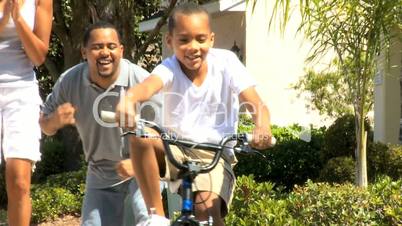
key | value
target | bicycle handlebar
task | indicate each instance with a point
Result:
(110, 117)
(167, 139)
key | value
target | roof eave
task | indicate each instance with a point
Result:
(212, 8)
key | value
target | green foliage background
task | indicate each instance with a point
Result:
(257, 204)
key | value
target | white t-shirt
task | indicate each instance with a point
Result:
(210, 111)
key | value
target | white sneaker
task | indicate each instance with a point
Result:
(155, 220)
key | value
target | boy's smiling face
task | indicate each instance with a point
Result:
(190, 40)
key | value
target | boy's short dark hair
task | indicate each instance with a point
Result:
(186, 9)
(98, 25)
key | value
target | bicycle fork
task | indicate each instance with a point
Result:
(187, 217)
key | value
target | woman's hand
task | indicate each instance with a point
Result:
(6, 14)
(14, 8)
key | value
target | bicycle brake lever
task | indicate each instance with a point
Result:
(253, 151)
(260, 154)
(247, 150)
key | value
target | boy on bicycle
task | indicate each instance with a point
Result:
(201, 89)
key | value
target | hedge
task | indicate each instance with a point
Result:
(316, 204)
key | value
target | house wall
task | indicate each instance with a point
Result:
(278, 61)
(229, 27)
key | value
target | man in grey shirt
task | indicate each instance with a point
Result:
(77, 99)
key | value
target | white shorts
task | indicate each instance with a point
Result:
(19, 122)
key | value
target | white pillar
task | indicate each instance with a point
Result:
(387, 94)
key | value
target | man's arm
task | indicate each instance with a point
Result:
(64, 115)
(262, 131)
(137, 94)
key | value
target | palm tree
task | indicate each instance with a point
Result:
(356, 30)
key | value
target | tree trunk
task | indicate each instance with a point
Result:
(361, 141)
(362, 161)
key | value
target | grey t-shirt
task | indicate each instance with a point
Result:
(103, 146)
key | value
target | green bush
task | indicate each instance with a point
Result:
(346, 204)
(60, 194)
(340, 138)
(339, 142)
(394, 162)
(339, 170)
(387, 200)
(50, 202)
(316, 204)
(52, 159)
(291, 161)
(74, 181)
(323, 204)
(384, 160)
(256, 204)
(331, 205)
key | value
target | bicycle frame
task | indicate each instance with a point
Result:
(190, 169)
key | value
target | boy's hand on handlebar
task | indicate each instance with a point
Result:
(125, 113)
(262, 138)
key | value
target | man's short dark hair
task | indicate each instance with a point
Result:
(98, 25)
(186, 9)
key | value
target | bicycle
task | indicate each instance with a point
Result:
(188, 170)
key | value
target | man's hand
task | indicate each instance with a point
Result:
(262, 138)
(64, 115)
(125, 169)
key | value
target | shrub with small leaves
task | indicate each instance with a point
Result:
(73, 181)
(256, 204)
(331, 205)
(325, 204)
(384, 160)
(50, 202)
(339, 170)
(316, 204)
(61, 194)
(340, 138)
(291, 161)
(387, 200)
